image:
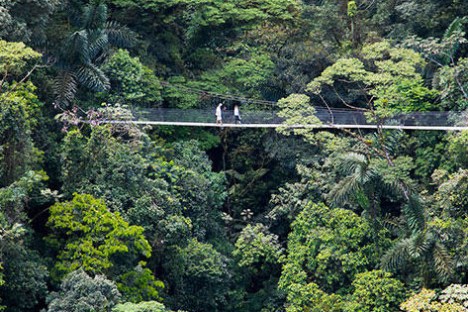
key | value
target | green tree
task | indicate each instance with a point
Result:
(328, 21)
(146, 306)
(139, 285)
(297, 110)
(326, 249)
(376, 291)
(2, 282)
(384, 80)
(402, 19)
(18, 154)
(449, 219)
(246, 73)
(26, 20)
(170, 198)
(419, 247)
(457, 148)
(450, 78)
(200, 190)
(81, 293)
(258, 252)
(24, 272)
(15, 57)
(87, 235)
(256, 248)
(104, 166)
(15, 198)
(367, 182)
(19, 107)
(452, 81)
(9, 232)
(131, 82)
(197, 277)
(424, 301)
(452, 195)
(189, 19)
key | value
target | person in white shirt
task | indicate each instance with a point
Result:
(219, 114)
(237, 114)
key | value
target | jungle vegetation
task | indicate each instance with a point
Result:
(107, 217)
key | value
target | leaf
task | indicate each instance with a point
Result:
(92, 77)
(65, 87)
(414, 214)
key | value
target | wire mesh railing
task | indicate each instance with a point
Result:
(330, 117)
(318, 118)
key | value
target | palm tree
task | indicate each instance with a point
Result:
(359, 183)
(420, 248)
(85, 50)
(364, 185)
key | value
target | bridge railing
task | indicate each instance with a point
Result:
(335, 117)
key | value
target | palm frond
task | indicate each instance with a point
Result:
(443, 263)
(414, 214)
(455, 28)
(344, 190)
(93, 78)
(99, 43)
(362, 199)
(422, 243)
(353, 162)
(119, 36)
(235, 175)
(353, 186)
(393, 141)
(460, 262)
(76, 48)
(75, 13)
(392, 224)
(88, 48)
(65, 87)
(94, 16)
(397, 256)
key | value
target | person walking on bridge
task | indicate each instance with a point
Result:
(219, 114)
(237, 116)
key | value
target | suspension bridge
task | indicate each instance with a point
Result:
(322, 118)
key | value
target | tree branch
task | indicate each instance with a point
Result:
(28, 74)
(349, 105)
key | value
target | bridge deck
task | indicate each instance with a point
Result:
(318, 126)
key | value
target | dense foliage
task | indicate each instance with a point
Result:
(120, 217)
